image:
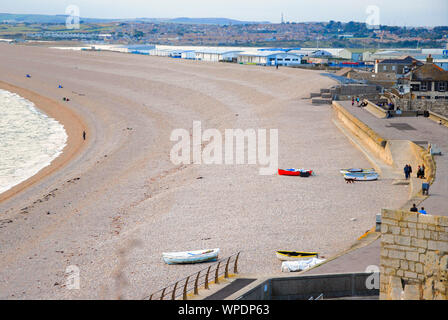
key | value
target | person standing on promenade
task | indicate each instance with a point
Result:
(410, 170)
(406, 172)
(414, 208)
(419, 172)
(353, 101)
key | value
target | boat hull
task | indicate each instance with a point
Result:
(295, 255)
(295, 172)
(361, 176)
(357, 170)
(187, 257)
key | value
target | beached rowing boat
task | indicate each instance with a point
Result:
(295, 172)
(285, 255)
(356, 170)
(195, 256)
(358, 176)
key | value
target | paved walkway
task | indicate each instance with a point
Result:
(421, 131)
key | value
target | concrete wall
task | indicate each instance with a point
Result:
(369, 138)
(306, 286)
(414, 256)
(437, 106)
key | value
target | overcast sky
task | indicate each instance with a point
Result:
(391, 12)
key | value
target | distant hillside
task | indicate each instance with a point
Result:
(42, 18)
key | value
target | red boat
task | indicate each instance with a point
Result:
(295, 172)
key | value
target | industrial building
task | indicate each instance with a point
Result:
(269, 58)
(217, 55)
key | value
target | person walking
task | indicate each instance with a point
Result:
(423, 171)
(353, 101)
(419, 172)
(410, 170)
(406, 171)
(84, 135)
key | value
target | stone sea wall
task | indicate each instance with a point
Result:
(414, 256)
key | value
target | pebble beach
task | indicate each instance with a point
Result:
(112, 204)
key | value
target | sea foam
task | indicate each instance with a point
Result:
(29, 140)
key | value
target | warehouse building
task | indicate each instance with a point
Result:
(217, 55)
(269, 58)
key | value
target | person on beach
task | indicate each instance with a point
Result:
(84, 135)
(422, 211)
(414, 208)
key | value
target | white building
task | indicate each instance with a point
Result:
(217, 55)
(269, 58)
(188, 54)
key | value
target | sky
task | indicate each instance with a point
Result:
(386, 12)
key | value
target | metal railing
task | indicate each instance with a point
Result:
(202, 278)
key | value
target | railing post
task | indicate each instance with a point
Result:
(196, 291)
(173, 295)
(226, 273)
(185, 288)
(163, 293)
(206, 277)
(217, 272)
(235, 266)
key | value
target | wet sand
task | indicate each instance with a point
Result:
(120, 202)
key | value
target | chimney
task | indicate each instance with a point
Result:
(429, 59)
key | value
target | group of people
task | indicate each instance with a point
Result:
(420, 171)
(415, 209)
(357, 100)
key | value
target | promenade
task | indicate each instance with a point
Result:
(421, 131)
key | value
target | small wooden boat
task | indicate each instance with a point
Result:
(295, 172)
(356, 170)
(285, 255)
(359, 176)
(195, 256)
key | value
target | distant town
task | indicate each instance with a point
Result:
(223, 32)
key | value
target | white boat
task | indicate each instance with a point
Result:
(356, 170)
(195, 256)
(358, 176)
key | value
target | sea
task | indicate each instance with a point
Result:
(29, 140)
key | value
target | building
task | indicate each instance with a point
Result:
(217, 55)
(188, 54)
(429, 82)
(424, 88)
(269, 58)
(398, 66)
